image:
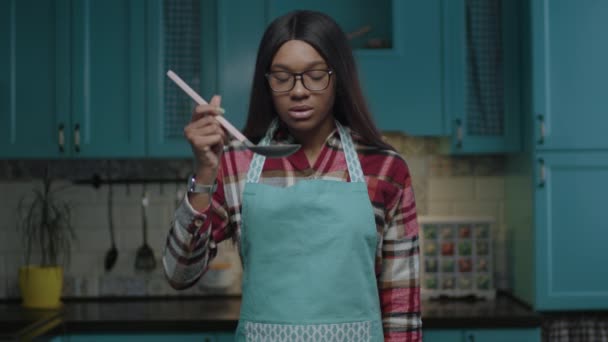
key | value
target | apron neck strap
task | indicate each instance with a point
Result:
(350, 153)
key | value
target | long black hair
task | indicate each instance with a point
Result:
(325, 35)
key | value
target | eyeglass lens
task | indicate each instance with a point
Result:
(283, 81)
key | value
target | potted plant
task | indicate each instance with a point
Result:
(45, 224)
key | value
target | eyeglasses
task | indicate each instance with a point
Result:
(284, 81)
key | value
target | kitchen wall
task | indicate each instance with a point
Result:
(468, 186)
(444, 185)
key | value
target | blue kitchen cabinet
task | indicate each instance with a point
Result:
(482, 335)
(238, 36)
(502, 335)
(72, 79)
(107, 89)
(569, 74)
(482, 76)
(402, 79)
(414, 78)
(224, 337)
(442, 335)
(570, 230)
(34, 78)
(181, 36)
(420, 80)
(556, 189)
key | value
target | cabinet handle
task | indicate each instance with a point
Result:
(61, 138)
(77, 138)
(541, 183)
(458, 133)
(541, 121)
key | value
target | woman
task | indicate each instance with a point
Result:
(328, 236)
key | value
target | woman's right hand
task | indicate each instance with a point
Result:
(206, 136)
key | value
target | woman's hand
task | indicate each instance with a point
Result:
(206, 137)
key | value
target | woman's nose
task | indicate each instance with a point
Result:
(299, 89)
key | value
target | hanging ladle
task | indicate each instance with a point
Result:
(272, 151)
(144, 257)
(112, 253)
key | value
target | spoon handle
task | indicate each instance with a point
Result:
(235, 132)
(198, 99)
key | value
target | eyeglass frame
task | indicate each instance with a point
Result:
(294, 77)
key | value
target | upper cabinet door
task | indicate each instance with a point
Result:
(397, 46)
(570, 73)
(181, 36)
(34, 78)
(482, 66)
(571, 231)
(403, 82)
(108, 118)
(238, 35)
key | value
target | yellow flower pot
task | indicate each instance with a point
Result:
(41, 286)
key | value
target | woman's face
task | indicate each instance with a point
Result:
(302, 109)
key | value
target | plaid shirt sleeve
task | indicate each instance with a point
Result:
(191, 243)
(399, 281)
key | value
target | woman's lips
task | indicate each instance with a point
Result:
(300, 112)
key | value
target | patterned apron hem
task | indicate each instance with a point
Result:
(359, 331)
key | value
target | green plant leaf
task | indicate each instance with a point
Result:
(45, 225)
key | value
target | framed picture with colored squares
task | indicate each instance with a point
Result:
(456, 257)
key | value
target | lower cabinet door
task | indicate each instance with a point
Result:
(502, 335)
(224, 337)
(571, 234)
(443, 335)
(482, 335)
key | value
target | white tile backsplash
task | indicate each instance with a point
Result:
(157, 239)
(3, 248)
(12, 192)
(92, 241)
(439, 208)
(87, 262)
(489, 188)
(12, 288)
(501, 213)
(451, 189)
(157, 285)
(129, 239)
(127, 216)
(3, 286)
(474, 196)
(81, 194)
(475, 208)
(89, 216)
(11, 239)
(3, 261)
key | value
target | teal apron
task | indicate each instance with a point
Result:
(308, 254)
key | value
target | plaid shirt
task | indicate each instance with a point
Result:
(193, 236)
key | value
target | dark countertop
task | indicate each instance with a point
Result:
(221, 314)
(503, 312)
(19, 324)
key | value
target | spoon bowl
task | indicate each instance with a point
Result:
(275, 151)
(271, 151)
